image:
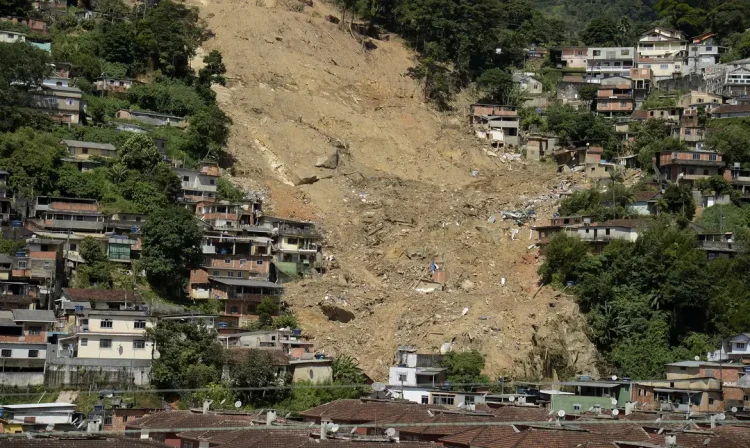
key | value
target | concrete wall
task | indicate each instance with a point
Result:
(410, 372)
(120, 324)
(567, 403)
(122, 347)
(84, 372)
(21, 379)
(320, 372)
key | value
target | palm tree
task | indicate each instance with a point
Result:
(346, 370)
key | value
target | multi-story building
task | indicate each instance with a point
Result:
(606, 62)
(688, 166)
(199, 186)
(85, 150)
(23, 346)
(297, 246)
(574, 57)
(62, 104)
(664, 51)
(117, 85)
(703, 51)
(6, 199)
(109, 334)
(224, 215)
(74, 214)
(242, 296)
(642, 79)
(615, 96)
(497, 123)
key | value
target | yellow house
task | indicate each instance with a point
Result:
(696, 98)
(109, 334)
(10, 428)
(83, 150)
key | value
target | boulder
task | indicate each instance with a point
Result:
(330, 161)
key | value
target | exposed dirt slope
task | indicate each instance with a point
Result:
(301, 88)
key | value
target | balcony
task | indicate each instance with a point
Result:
(197, 186)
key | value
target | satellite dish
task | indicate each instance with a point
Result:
(615, 412)
(237, 403)
(378, 387)
(561, 413)
(734, 409)
(390, 432)
(697, 358)
(512, 399)
(614, 377)
(614, 402)
(333, 428)
(721, 417)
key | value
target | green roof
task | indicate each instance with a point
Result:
(287, 267)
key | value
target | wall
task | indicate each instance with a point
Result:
(22, 350)
(122, 347)
(120, 324)
(566, 402)
(320, 372)
(79, 154)
(641, 208)
(84, 372)
(21, 379)
(411, 376)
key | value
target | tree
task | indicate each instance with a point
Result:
(257, 368)
(286, 320)
(171, 248)
(14, 8)
(561, 258)
(345, 370)
(97, 270)
(189, 356)
(732, 141)
(496, 84)
(266, 310)
(207, 134)
(725, 218)
(677, 200)
(213, 70)
(465, 368)
(227, 191)
(33, 160)
(588, 93)
(601, 32)
(139, 153)
(91, 250)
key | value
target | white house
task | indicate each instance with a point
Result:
(39, 413)
(10, 37)
(109, 334)
(200, 185)
(605, 62)
(664, 51)
(618, 229)
(736, 348)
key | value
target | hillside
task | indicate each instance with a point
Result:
(300, 88)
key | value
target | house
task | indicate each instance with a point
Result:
(606, 62)
(539, 146)
(243, 296)
(74, 214)
(353, 412)
(101, 299)
(569, 89)
(574, 58)
(56, 81)
(591, 396)
(297, 247)
(23, 346)
(30, 326)
(39, 413)
(9, 37)
(109, 334)
(695, 99)
(163, 426)
(688, 166)
(495, 122)
(62, 104)
(85, 150)
(736, 348)
(703, 51)
(528, 83)
(615, 98)
(6, 198)
(152, 118)
(731, 111)
(225, 215)
(690, 130)
(693, 394)
(644, 203)
(600, 234)
(415, 376)
(664, 51)
(558, 223)
(199, 186)
(109, 84)
(717, 245)
(642, 79)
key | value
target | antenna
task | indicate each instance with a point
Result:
(614, 377)
(614, 402)
(697, 358)
(390, 432)
(561, 413)
(334, 428)
(512, 399)
(615, 412)
(378, 387)
(734, 409)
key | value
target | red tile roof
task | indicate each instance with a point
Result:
(46, 255)
(521, 414)
(731, 108)
(183, 419)
(237, 354)
(362, 411)
(639, 114)
(79, 442)
(100, 295)
(645, 196)
(450, 427)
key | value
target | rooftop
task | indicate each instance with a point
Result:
(731, 108)
(100, 295)
(242, 282)
(79, 442)
(92, 145)
(34, 316)
(365, 410)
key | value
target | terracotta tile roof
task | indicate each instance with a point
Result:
(706, 439)
(645, 196)
(360, 411)
(731, 108)
(237, 354)
(494, 437)
(100, 295)
(639, 114)
(332, 443)
(73, 206)
(447, 429)
(572, 78)
(73, 442)
(199, 276)
(521, 414)
(183, 419)
(21, 300)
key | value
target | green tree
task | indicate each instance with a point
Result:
(725, 218)
(465, 368)
(96, 270)
(213, 70)
(601, 32)
(189, 356)
(677, 200)
(207, 134)
(266, 310)
(345, 370)
(139, 153)
(171, 248)
(732, 141)
(91, 250)
(256, 368)
(496, 85)
(286, 320)
(15, 8)
(33, 160)
(588, 93)
(562, 256)
(227, 191)
(643, 356)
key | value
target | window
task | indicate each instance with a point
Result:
(687, 131)
(21, 265)
(442, 399)
(705, 172)
(230, 274)
(401, 377)
(469, 399)
(696, 156)
(227, 261)
(746, 398)
(139, 343)
(35, 330)
(259, 262)
(85, 150)
(105, 343)
(84, 342)
(709, 48)
(216, 273)
(105, 323)
(597, 52)
(700, 100)
(5, 353)
(233, 310)
(108, 418)
(187, 444)
(710, 401)
(239, 274)
(741, 346)
(426, 399)
(124, 418)
(33, 353)
(663, 66)
(291, 240)
(74, 247)
(683, 369)
(186, 178)
(712, 157)
(576, 407)
(139, 324)
(212, 182)
(640, 392)
(606, 231)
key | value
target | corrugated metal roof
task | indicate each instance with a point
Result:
(92, 145)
